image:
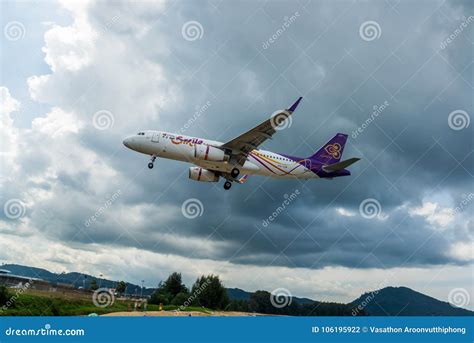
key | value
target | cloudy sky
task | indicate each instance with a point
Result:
(397, 76)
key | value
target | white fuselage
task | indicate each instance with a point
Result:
(182, 148)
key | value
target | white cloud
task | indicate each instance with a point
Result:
(345, 212)
(434, 214)
(8, 133)
(8, 105)
(463, 251)
(57, 123)
(69, 48)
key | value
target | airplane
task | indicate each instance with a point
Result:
(241, 155)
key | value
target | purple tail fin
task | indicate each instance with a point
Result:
(331, 152)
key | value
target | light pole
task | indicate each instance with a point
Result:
(100, 280)
(141, 296)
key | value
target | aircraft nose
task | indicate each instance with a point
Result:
(128, 142)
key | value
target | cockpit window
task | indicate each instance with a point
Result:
(141, 133)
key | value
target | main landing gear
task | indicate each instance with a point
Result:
(150, 165)
(234, 173)
(227, 185)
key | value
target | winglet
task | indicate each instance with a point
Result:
(293, 107)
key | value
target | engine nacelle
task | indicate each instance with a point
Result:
(209, 153)
(203, 175)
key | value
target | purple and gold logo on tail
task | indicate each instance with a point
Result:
(333, 150)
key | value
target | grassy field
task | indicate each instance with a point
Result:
(41, 303)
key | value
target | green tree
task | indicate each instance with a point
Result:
(4, 295)
(169, 289)
(180, 299)
(121, 287)
(174, 285)
(208, 291)
(260, 302)
(238, 305)
(160, 298)
(93, 285)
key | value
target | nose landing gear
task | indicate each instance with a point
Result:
(150, 165)
(227, 185)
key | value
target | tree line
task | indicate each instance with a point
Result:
(260, 302)
(209, 291)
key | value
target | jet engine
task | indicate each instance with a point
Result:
(203, 175)
(209, 153)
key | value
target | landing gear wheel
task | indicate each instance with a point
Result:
(234, 173)
(153, 158)
(227, 185)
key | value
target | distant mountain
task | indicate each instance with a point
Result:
(403, 301)
(75, 279)
(29, 271)
(239, 294)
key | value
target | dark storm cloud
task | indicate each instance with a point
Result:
(408, 152)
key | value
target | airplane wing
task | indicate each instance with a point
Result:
(250, 140)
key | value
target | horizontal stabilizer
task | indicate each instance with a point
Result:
(340, 165)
